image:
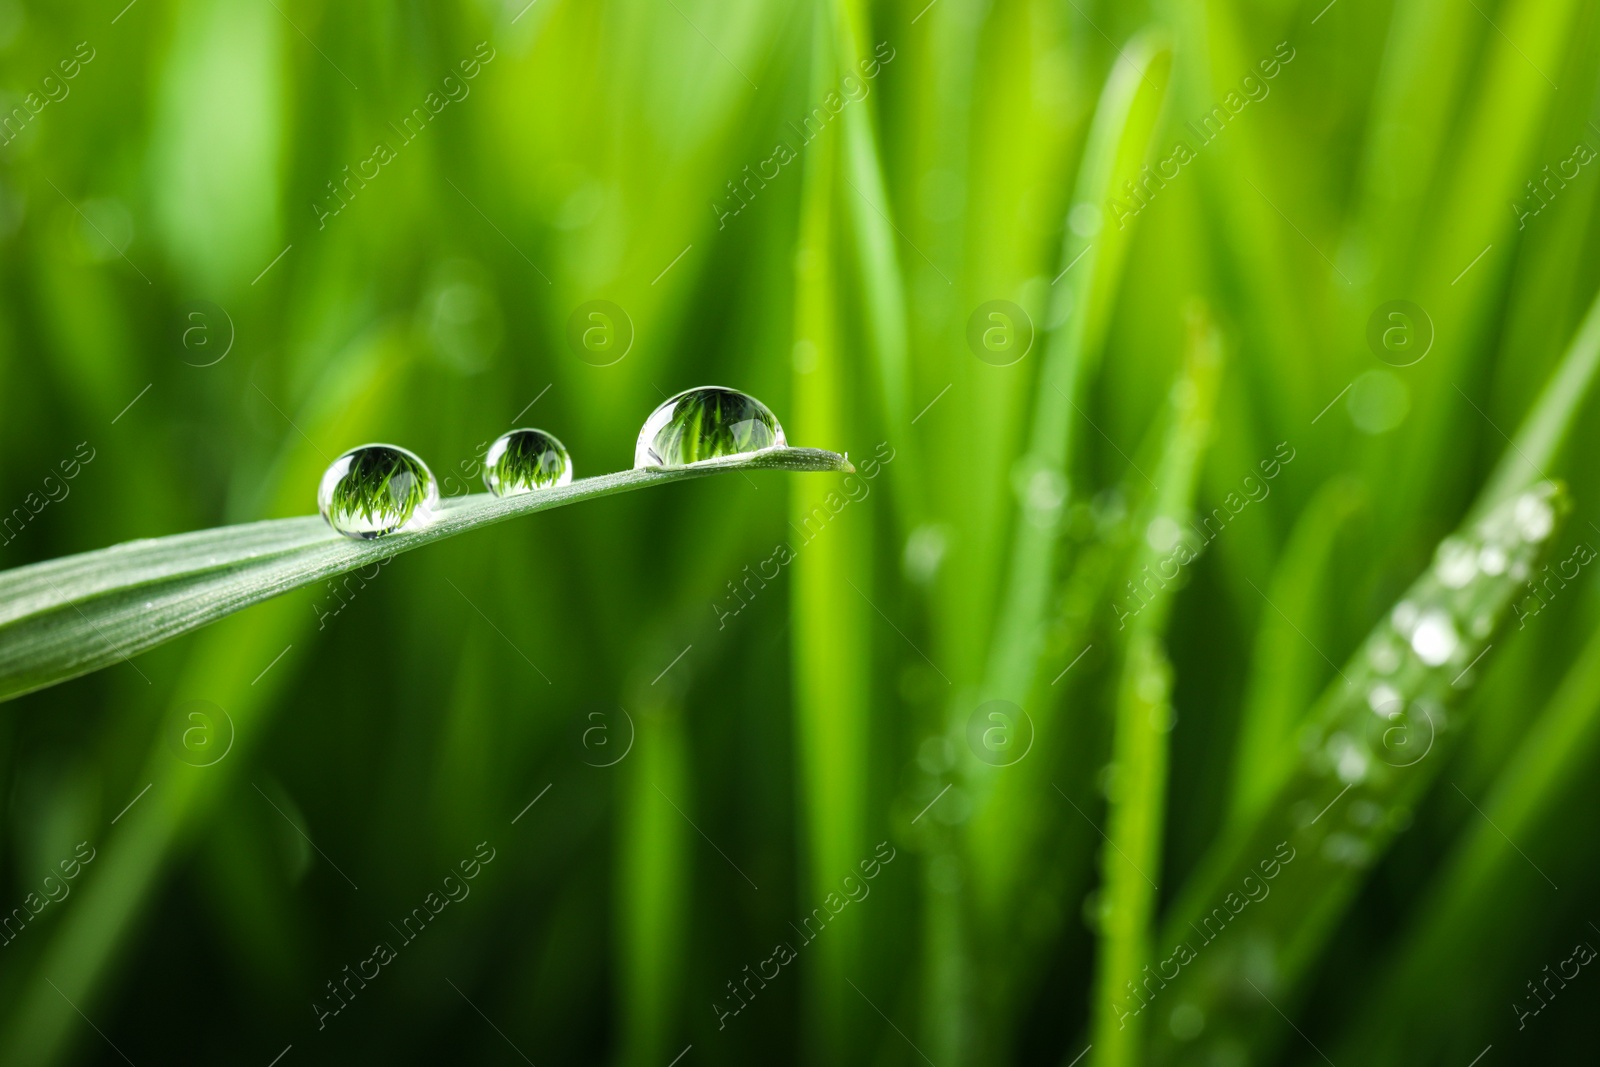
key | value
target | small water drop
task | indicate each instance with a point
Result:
(1186, 1022)
(1404, 617)
(521, 461)
(1352, 765)
(375, 490)
(1383, 655)
(1456, 563)
(1534, 518)
(1435, 640)
(1346, 849)
(1493, 560)
(1365, 813)
(706, 423)
(1162, 533)
(1384, 699)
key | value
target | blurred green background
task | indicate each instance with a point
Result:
(1198, 216)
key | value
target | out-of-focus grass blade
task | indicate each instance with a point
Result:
(1425, 60)
(830, 613)
(66, 617)
(1501, 133)
(1462, 927)
(653, 882)
(1372, 736)
(1286, 669)
(226, 664)
(1131, 859)
(1119, 140)
(1546, 432)
(1118, 143)
(877, 264)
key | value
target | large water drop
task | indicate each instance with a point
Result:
(376, 490)
(521, 461)
(706, 423)
(1435, 640)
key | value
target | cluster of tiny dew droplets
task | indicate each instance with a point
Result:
(1431, 642)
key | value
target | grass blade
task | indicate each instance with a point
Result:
(1350, 746)
(830, 614)
(1131, 859)
(1462, 927)
(1369, 750)
(1118, 143)
(67, 617)
(1286, 671)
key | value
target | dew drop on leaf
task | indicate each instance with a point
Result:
(521, 461)
(1435, 640)
(1534, 518)
(706, 423)
(1456, 562)
(376, 490)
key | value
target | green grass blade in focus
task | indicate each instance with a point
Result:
(71, 616)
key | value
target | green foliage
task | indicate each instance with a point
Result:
(238, 239)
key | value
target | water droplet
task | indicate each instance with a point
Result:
(375, 490)
(1493, 560)
(1346, 849)
(1456, 563)
(1085, 219)
(1043, 494)
(1352, 764)
(705, 423)
(521, 461)
(1404, 617)
(1365, 813)
(1434, 640)
(1482, 625)
(924, 552)
(1385, 700)
(1162, 533)
(1534, 518)
(1384, 656)
(1379, 401)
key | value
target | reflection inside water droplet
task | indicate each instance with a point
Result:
(521, 461)
(706, 423)
(375, 490)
